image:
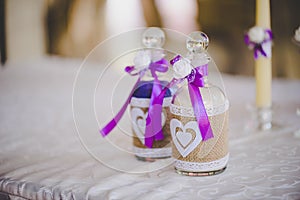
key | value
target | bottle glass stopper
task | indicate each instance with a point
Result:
(197, 42)
(153, 37)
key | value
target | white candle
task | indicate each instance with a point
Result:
(263, 65)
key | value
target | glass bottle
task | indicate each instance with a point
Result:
(153, 40)
(193, 156)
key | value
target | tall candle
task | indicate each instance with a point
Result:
(263, 65)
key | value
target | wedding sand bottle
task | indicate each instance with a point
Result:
(200, 140)
(151, 83)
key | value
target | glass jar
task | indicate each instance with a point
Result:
(194, 155)
(153, 39)
(139, 106)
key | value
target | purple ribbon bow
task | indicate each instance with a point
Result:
(258, 48)
(195, 80)
(153, 129)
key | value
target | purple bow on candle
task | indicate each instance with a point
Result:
(259, 47)
(153, 129)
(195, 80)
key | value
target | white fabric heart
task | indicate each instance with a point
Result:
(183, 139)
(138, 120)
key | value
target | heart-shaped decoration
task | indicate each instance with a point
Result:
(141, 123)
(138, 118)
(183, 140)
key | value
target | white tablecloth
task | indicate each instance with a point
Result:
(42, 157)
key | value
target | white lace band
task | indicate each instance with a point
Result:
(153, 152)
(201, 167)
(144, 102)
(189, 112)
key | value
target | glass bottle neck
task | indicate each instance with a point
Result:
(205, 79)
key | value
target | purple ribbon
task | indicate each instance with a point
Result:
(195, 80)
(258, 49)
(153, 129)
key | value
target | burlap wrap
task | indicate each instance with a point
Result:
(209, 150)
(166, 131)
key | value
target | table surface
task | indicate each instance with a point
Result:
(50, 147)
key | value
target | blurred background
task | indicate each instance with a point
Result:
(33, 29)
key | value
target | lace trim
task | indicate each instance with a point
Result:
(189, 112)
(202, 167)
(153, 153)
(144, 102)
